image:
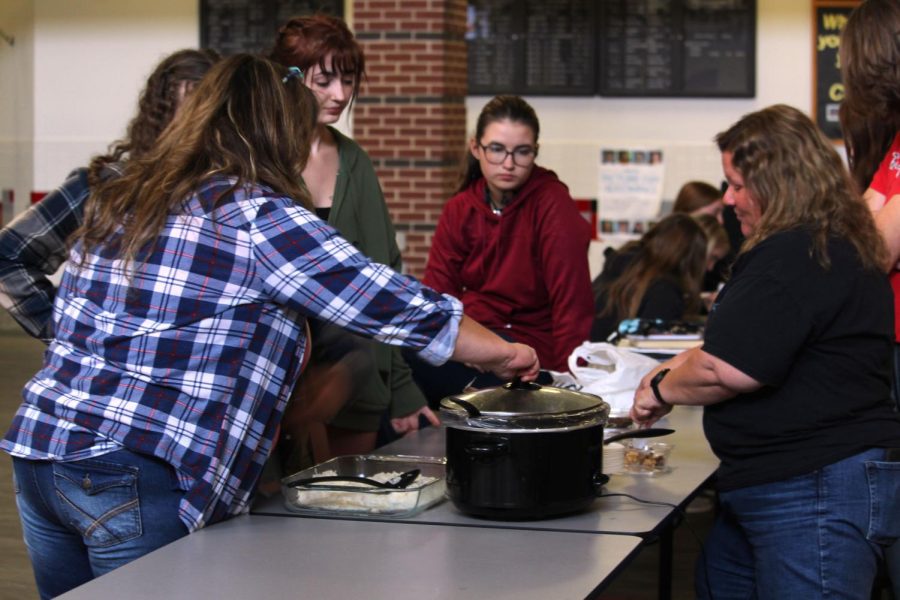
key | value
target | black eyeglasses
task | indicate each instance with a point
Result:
(496, 154)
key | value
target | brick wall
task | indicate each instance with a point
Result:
(410, 116)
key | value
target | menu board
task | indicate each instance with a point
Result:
(719, 48)
(560, 46)
(232, 26)
(638, 47)
(533, 47)
(612, 47)
(701, 48)
(828, 90)
(494, 40)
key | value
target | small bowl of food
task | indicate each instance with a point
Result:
(647, 458)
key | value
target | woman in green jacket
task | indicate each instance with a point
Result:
(366, 378)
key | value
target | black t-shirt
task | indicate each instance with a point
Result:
(820, 341)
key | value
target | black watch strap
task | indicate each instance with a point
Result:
(654, 384)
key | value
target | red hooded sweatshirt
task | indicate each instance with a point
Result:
(523, 273)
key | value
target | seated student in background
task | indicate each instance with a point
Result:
(717, 243)
(33, 246)
(180, 330)
(698, 198)
(512, 246)
(656, 277)
(718, 251)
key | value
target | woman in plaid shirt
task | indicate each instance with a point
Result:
(179, 330)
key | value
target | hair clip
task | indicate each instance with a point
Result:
(292, 72)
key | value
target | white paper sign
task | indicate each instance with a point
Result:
(630, 186)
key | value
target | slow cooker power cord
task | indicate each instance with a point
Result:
(679, 518)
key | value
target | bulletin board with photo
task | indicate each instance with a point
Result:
(630, 182)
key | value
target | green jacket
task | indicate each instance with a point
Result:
(360, 214)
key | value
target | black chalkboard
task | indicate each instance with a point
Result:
(532, 46)
(704, 48)
(719, 48)
(612, 47)
(828, 90)
(231, 26)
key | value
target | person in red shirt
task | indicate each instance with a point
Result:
(512, 245)
(870, 119)
(870, 123)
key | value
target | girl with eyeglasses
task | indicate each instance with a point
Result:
(512, 246)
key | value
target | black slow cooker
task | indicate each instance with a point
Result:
(524, 451)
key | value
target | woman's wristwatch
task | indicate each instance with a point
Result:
(654, 385)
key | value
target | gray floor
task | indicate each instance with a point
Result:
(20, 357)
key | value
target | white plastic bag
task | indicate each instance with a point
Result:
(610, 372)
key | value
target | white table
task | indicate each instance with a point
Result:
(692, 464)
(270, 557)
(452, 556)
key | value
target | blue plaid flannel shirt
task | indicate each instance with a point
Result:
(32, 248)
(191, 355)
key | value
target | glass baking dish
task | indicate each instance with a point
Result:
(351, 499)
(644, 458)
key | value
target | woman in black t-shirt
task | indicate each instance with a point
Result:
(794, 374)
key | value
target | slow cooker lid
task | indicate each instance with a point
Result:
(525, 405)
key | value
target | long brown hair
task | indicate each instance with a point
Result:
(694, 195)
(799, 181)
(675, 249)
(306, 41)
(499, 108)
(870, 65)
(716, 235)
(174, 77)
(233, 126)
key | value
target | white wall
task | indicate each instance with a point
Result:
(91, 61)
(574, 129)
(77, 68)
(70, 81)
(16, 97)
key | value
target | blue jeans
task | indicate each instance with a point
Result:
(818, 535)
(892, 554)
(84, 518)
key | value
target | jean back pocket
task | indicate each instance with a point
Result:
(884, 501)
(100, 500)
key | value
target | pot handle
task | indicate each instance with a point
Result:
(482, 450)
(470, 408)
(518, 384)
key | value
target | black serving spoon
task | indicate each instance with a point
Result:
(399, 482)
(639, 433)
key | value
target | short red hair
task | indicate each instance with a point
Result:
(306, 41)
